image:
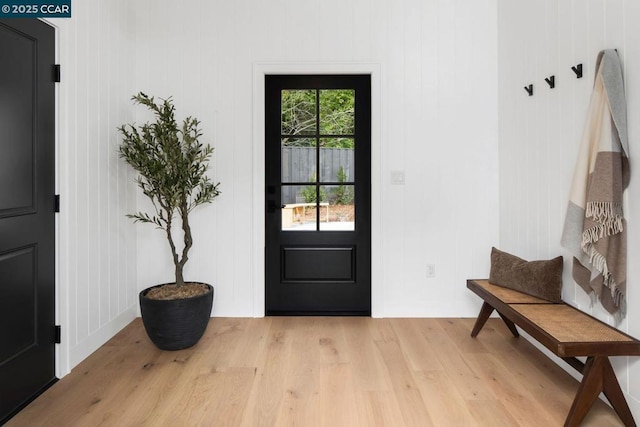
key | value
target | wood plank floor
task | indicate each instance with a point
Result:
(317, 371)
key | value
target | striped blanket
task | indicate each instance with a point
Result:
(594, 229)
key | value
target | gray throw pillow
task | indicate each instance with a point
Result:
(542, 279)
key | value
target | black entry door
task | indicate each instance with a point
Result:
(27, 297)
(318, 202)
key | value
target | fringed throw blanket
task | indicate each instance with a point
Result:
(594, 229)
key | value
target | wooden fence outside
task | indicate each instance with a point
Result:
(299, 164)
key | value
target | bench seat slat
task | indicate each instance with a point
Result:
(566, 324)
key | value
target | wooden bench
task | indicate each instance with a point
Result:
(568, 333)
(295, 212)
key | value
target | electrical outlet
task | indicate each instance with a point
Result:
(431, 270)
(397, 177)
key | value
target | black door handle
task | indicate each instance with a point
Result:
(271, 206)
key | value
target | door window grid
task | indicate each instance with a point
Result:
(329, 149)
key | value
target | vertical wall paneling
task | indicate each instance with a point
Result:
(631, 14)
(103, 167)
(81, 248)
(394, 153)
(243, 295)
(97, 243)
(414, 113)
(228, 41)
(548, 127)
(553, 113)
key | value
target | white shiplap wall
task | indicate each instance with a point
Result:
(540, 135)
(436, 115)
(96, 280)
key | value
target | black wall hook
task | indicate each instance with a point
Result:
(578, 70)
(529, 89)
(551, 81)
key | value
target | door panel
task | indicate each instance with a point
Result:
(27, 287)
(18, 266)
(18, 90)
(318, 213)
(300, 264)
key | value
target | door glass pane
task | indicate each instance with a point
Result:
(298, 159)
(326, 203)
(299, 112)
(337, 107)
(339, 213)
(299, 207)
(336, 159)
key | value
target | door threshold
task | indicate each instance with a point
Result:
(341, 313)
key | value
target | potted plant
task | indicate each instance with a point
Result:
(172, 166)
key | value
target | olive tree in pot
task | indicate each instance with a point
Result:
(172, 166)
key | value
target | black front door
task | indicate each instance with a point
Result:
(27, 288)
(318, 201)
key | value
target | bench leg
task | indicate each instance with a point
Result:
(614, 394)
(598, 376)
(484, 314)
(510, 325)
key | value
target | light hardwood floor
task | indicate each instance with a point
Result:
(317, 371)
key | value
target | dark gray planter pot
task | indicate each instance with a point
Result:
(176, 324)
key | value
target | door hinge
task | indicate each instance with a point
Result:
(56, 203)
(58, 337)
(56, 73)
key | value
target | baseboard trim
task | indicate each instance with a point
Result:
(81, 351)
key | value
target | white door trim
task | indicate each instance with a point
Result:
(260, 70)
